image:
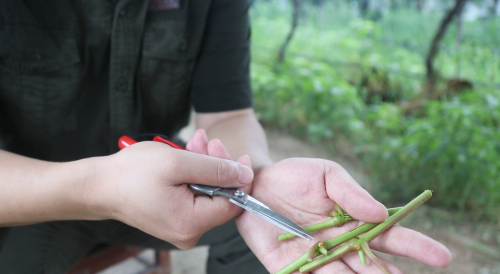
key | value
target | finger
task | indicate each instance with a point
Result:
(185, 167)
(218, 210)
(189, 145)
(353, 261)
(245, 160)
(210, 212)
(199, 142)
(405, 242)
(216, 149)
(354, 199)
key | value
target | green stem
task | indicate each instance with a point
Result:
(376, 231)
(335, 221)
(392, 220)
(393, 210)
(322, 250)
(339, 209)
(312, 252)
(351, 246)
(329, 223)
(329, 244)
(348, 235)
(365, 249)
(362, 257)
(302, 260)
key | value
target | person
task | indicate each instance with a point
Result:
(77, 75)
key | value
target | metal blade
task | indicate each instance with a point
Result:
(255, 206)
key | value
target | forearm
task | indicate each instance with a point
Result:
(34, 191)
(240, 132)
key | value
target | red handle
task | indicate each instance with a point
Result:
(168, 142)
(126, 141)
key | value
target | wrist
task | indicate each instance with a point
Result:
(34, 191)
(95, 189)
(70, 189)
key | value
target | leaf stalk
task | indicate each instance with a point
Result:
(334, 242)
(372, 234)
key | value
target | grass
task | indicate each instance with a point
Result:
(350, 77)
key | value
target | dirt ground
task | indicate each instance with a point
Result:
(458, 237)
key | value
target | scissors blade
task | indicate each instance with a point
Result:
(255, 206)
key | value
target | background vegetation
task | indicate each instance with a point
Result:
(358, 75)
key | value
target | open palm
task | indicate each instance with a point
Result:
(305, 190)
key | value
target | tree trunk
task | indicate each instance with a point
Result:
(363, 7)
(434, 48)
(459, 37)
(394, 5)
(295, 19)
(493, 8)
(419, 5)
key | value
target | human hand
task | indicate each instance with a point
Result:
(145, 186)
(305, 190)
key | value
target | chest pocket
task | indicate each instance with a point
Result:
(167, 63)
(37, 76)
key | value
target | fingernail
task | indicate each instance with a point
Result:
(246, 174)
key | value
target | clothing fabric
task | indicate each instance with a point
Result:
(75, 75)
(54, 247)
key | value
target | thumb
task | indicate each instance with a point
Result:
(351, 197)
(217, 210)
(206, 170)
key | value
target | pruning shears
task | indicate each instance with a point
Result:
(236, 196)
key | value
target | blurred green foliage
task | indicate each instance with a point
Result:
(346, 76)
